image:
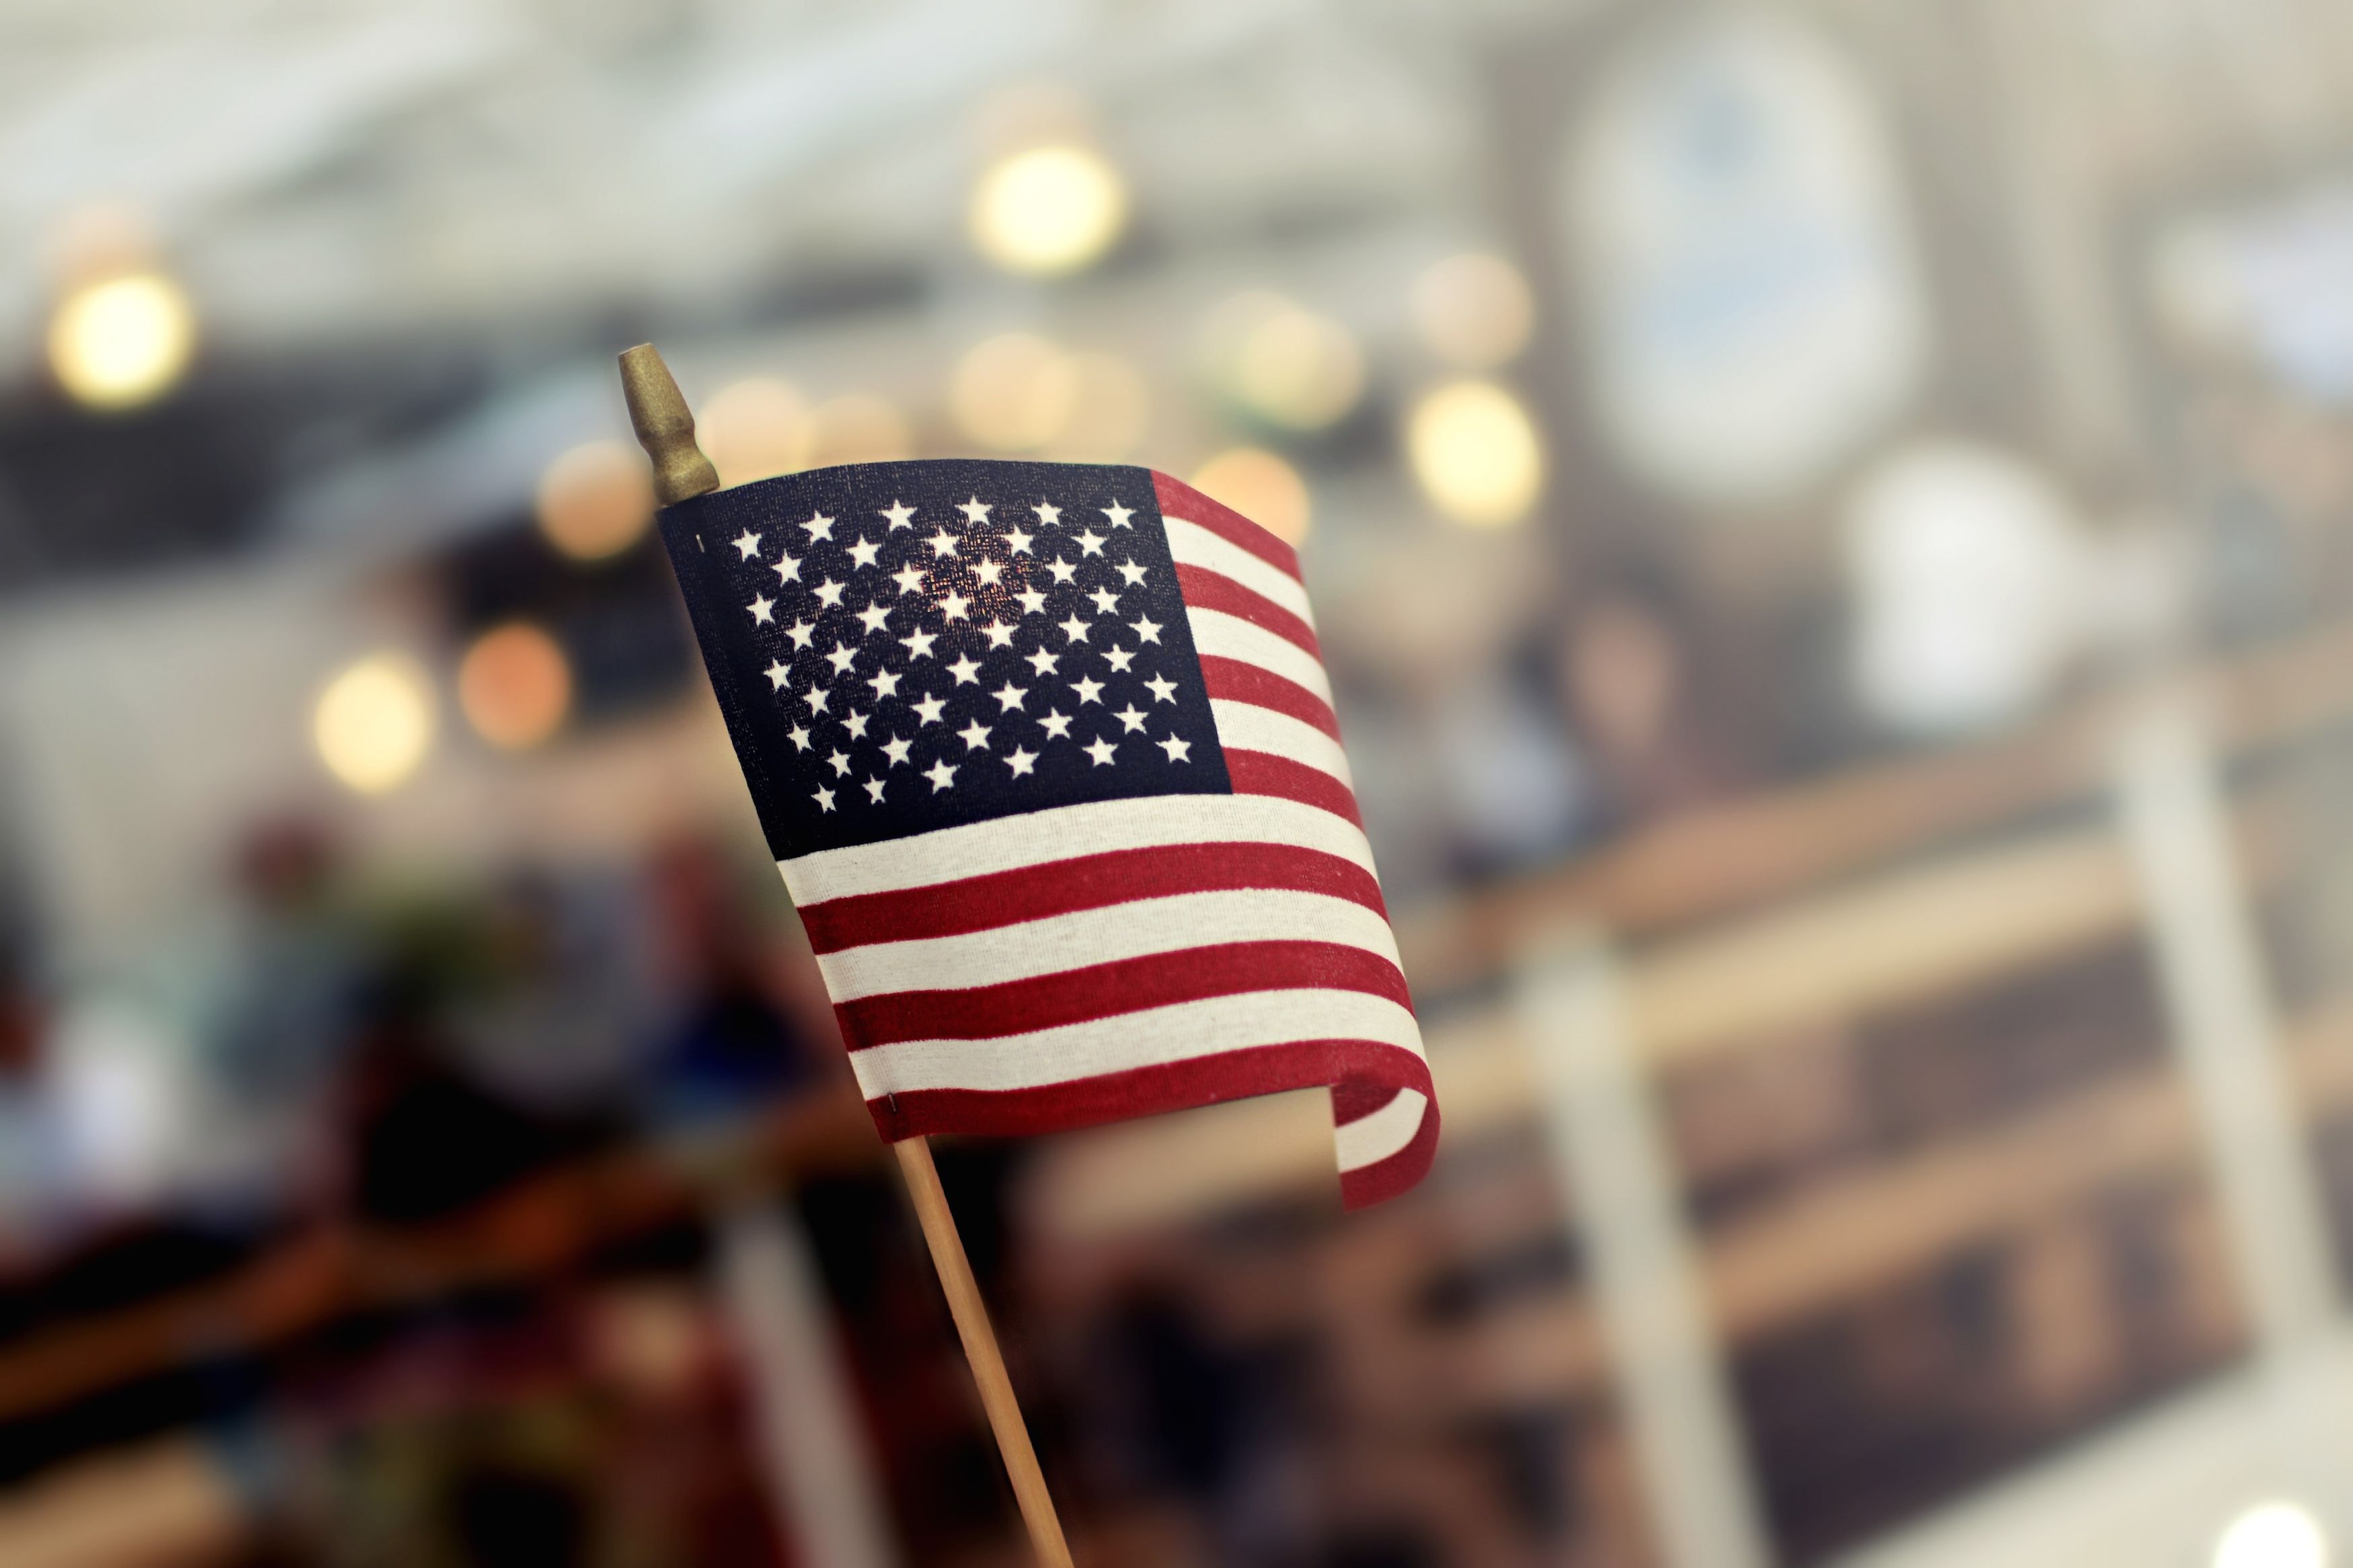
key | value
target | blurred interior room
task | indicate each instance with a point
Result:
(1832, 530)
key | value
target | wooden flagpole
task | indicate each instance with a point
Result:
(665, 429)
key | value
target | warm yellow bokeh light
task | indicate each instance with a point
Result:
(1287, 365)
(858, 429)
(1013, 392)
(1474, 311)
(375, 722)
(1262, 486)
(122, 341)
(1049, 210)
(1112, 411)
(514, 686)
(596, 500)
(755, 428)
(1476, 451)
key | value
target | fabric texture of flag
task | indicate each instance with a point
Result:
(1046, 754)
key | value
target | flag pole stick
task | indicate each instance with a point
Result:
(665, 429)
(971, 1316)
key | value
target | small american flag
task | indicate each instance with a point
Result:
(1046, 754)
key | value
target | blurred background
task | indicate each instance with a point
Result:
(1832, 524)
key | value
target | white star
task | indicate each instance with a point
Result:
(856, 725)
(1074, 628)
(800, 736)
(1091, 543)
(818, 698)
(885, 684)
(1048, 512)
(1147, 629)
(1086, 688)
(1022, 761)
(874, 615)
(897, 751)
(1000, 634)
(763, 610)
(800, 632)
(943, 544)
(873, 790)
(1009, 696)
(1118, 514)
(1033, 603)
(748, 543)
(989, 571)
(942, 775)
(928, 709)
(1060, 568)
(777, 675)
(964, 669)
(1057, 727)
(1101, 751)
(975, 735)
(919, 643)
(1178, 751)
(1131, 572)
(1106, 601)
(1043, 662)
(829, 592)
(1119, 658)
(975, 509)
(1017, 542)
(954, 607)
(909, 578)
(901, 514)
(863, 552)
(788, 570)
(1162, 689)
(1131, 717)
(824, 798)
(820, 526)
(840, 658)
(840, 761)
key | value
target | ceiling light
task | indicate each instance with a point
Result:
(1290, 366)
(596, 500)
(514, 686)
(1262, 486)
(122, 341)
(2273, 1535)
(1476, 451)
(1049, 210)
(754, 429)
(1474, 311)
(373, 724)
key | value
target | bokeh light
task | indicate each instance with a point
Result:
(1476, 451)
(1290, 366)
(1049, 210)
(1262, 486)
(2273, 1535)
(375, 722)
(858, 427)
(1474, 311)
(122, 341)
(514, 686)
(1110, 414)
(1014, 392)
(596, 499)
(755, 428)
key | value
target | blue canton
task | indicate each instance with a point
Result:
(904, 646)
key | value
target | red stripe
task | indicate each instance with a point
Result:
(1263, 773)
(1386, 1179)
(1146, 1091)
(1084, 882)
(1179, 498)
(1207, 590)
(1235, 681)
(1125, 986)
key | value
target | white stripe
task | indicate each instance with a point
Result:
(1369, 1140)
(1075, 940)
(1010, 843)
(1256, 728)
(1193, 545)
(1231, 637)
(1182, 1032)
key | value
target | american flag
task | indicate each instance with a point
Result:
(1047, 756)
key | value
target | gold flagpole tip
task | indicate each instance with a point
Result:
(665, 427)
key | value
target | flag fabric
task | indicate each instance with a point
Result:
(1046, 754)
